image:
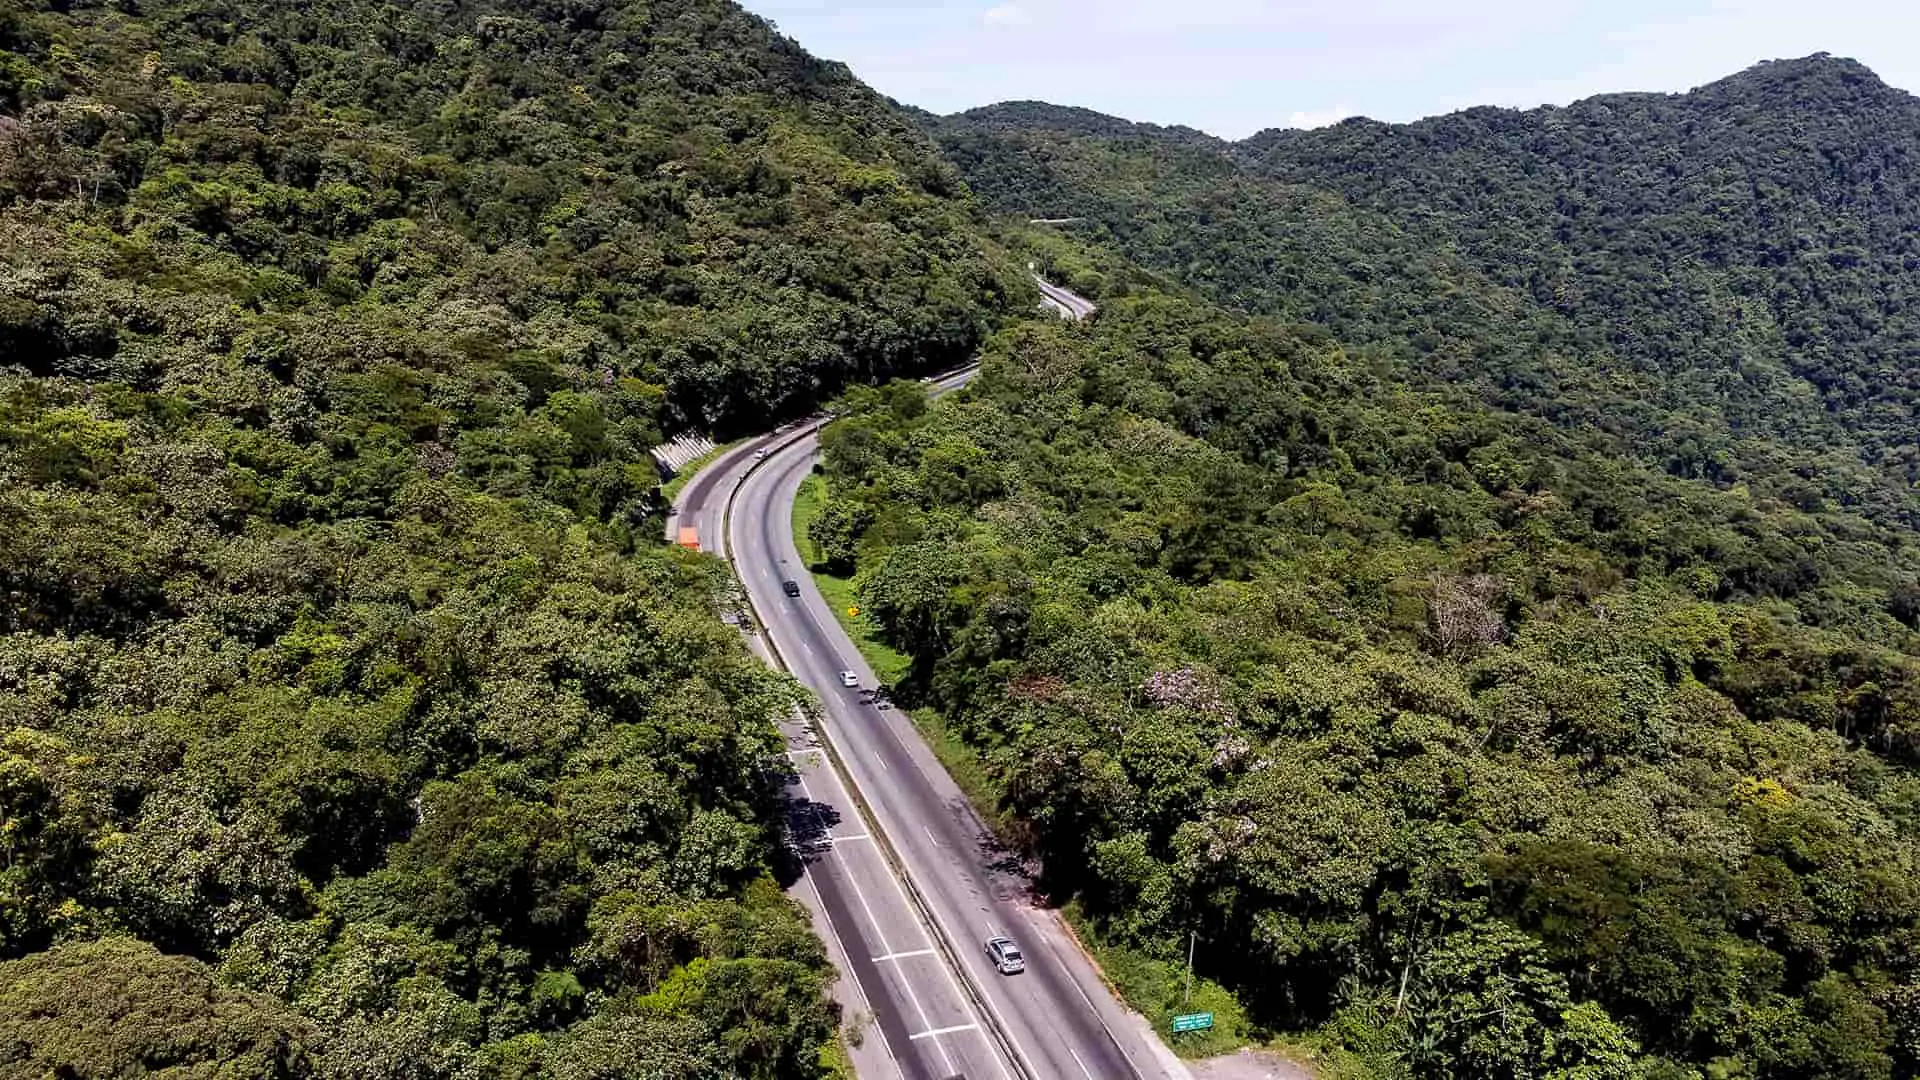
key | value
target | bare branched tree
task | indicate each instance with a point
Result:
(1464, 615)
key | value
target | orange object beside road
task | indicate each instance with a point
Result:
(689, 538)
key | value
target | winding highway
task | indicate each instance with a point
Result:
(1066, 304)
(904, 881)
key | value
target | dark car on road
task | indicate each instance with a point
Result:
(791, 588)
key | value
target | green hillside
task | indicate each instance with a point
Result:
(1718, 282)
(1454, 741)
(1496, 638)
(352, 722)
(1464, 573)
(1753, 241)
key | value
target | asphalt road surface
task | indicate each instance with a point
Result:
(1058, 1017)
(918, 1021)
(1069, 305)
(922, 1023)
(912, 944)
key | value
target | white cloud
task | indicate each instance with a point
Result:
(1006, 15)
(1323, 118)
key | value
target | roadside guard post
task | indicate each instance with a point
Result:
(1193, 1022)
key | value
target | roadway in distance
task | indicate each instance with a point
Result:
(1058, 1018)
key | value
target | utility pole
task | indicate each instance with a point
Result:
(1193, 938)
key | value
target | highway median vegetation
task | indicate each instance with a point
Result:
(840, 593)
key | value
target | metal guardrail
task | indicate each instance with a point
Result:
(941, 936)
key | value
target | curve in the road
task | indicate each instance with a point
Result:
(783, 473)
(1058, 1020)
(1049, 1015)
(1069, 304)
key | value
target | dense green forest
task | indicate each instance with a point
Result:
(1464, 573)
(1491, 627)
(1426, 720)
(1718, 282)
(352, 724)
(1763, 226)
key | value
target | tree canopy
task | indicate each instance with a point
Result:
(1716, 283)
(352, 723)
(1482, 752)
(1464, 572)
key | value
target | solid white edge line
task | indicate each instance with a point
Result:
(880, 934)
(767, 631)
(859, 987)
(936, 924)
(1098, 1016)
(726, 554)
(937, 1032)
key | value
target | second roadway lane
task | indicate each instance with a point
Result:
(912, 943)
(1052, 1013)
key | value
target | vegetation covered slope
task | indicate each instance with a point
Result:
(1425, 720)
(1499, 643)
(1719, 281)
(1763, 226)
(346, 728)
(635, 188)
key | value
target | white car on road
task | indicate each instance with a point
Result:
(848, 678)
(1006, 956)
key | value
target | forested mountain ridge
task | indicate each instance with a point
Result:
(1491, 624)
(1068, 120)
(1491, 698)
(1779, 203)
(655, 184)
(1432, 725)
(1717, 280)
(352, 723)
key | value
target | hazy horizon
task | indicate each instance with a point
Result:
(1234, 67)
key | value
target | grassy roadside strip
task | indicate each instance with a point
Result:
(1157, 990)
(890, 664)
(916, 898)
(834, 1058)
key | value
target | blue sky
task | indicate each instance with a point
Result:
(1232, 67)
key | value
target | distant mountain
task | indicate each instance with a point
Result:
(1070, 120)
(1721, 281)
(1766, 222)
(1497, 642)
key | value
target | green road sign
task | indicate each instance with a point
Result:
(1193, 1022)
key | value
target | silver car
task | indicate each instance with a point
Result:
(1006, 956)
